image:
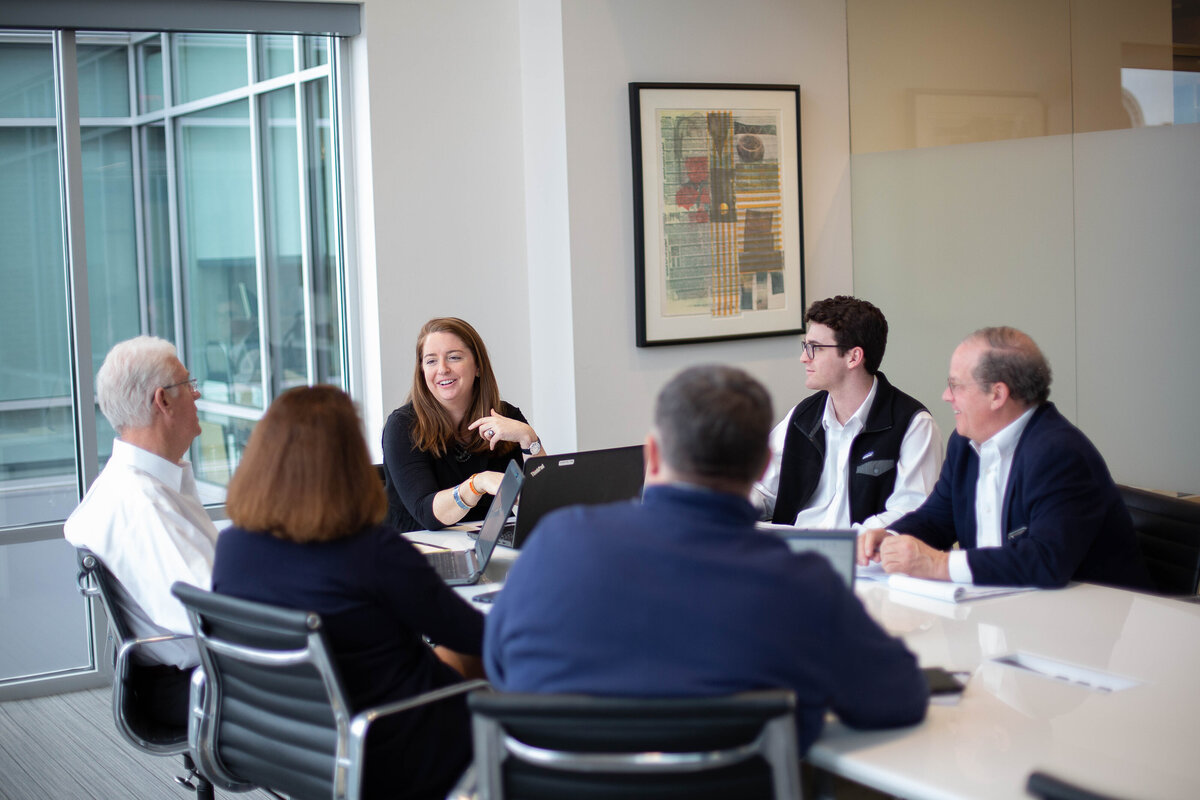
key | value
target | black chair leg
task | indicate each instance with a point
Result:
(194, 781)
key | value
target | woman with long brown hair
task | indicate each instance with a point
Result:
(446, 449)
(306, 505)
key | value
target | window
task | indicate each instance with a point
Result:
(208, 185)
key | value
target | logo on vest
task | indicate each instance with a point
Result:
(868, 455)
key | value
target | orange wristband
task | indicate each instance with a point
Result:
(471, 483)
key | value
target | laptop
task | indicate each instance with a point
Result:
(590, 477)
(838, 546)
(465, 567)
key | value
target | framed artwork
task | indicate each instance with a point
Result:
(717, 211)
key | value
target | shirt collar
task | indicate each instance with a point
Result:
(172, 475)
(709, 502)
(1005, 441)
(858, 418)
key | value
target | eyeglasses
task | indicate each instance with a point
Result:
(810, 348)
(954, 387)
(192, 382)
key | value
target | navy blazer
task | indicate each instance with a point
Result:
(1063, 518)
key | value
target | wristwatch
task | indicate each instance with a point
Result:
(535, 447)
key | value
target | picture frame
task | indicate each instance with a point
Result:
(718, 215)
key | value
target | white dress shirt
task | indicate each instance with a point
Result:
(995, 465)
(143, 518)
(829, 507)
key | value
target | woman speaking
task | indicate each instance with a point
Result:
(446, 448)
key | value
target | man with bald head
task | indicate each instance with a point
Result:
(1022, 491)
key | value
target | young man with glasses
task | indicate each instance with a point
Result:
(142, 517)
(858, 451)
(1025, 495)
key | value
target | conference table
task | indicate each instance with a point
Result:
(1094, 685)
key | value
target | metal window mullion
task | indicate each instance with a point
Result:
(342, 246)
(139, 227)
(174, 233)
(260, 246)
(79, 334)
(306, 234)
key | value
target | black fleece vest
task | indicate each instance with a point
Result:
(873, 453)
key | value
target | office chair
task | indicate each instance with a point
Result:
(533, 746)
(1048, 787)
(133, 723)
(271, 711)
(1168, 531)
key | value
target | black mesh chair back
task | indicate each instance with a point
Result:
(274, 713)
(535, 746)
(1168, 531)
(138, 727)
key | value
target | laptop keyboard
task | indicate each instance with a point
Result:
(450, 564)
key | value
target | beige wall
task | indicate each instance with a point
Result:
(1084, 237)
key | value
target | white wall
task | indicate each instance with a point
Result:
(609, 44)
(462, 220)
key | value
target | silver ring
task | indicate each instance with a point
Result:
(490, 433)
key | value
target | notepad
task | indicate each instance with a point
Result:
(950, 592)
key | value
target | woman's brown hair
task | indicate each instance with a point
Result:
(306, 475)
(433, 430)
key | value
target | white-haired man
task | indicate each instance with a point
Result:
(143, 517)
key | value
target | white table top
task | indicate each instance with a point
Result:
(1138, 742)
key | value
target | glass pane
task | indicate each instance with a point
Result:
(103, 80)
(26, 80)
(150, 75)
(217, 206)
(276, 56)
(208, 64)
(43, 618)
(285, 268)
(326, 290)
(216, 452)
(111, 238)
(37, 453)
(316, 51)
(156, 225)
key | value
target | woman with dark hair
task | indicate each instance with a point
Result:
(306, 505)
(446, 449)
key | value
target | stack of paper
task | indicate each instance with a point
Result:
(949, 592)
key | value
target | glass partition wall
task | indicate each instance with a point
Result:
(207, 181)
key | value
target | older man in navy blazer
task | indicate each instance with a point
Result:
(1024, 493)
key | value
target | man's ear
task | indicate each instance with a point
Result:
(161, 400)
(854, 357)
(651, 455)
(1000, 394)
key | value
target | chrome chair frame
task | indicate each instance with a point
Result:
(207, 694)
(775, 743)
(96, 582)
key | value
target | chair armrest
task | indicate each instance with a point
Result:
(362, 721)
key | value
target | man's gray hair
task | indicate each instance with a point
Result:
(1013, 359)
(126, 382)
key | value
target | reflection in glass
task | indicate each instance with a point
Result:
(207, 64)
(218, 251)
(156, 227)
(276, 56)
(103, 80)
(285, 267)
(216, 452)
(316, 51)
(27, 79)
(150, 75)
(326, 291)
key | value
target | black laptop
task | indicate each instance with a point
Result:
(465, 567)
(572, 479)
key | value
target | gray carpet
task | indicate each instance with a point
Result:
(66, 747)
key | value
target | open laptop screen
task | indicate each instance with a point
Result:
(838, 546)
